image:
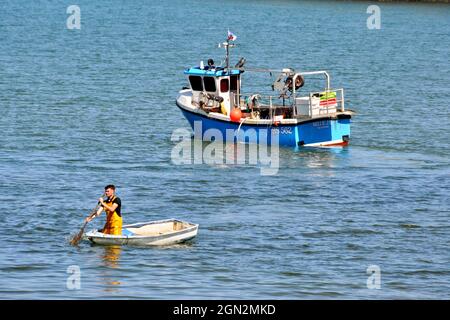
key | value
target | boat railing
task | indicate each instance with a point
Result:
(316, 103)
(269, 104)
(324, 102)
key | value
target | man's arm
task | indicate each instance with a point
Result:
(95, 214)
(111, 208)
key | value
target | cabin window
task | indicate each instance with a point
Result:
(196, 83)
(234, 83)
(210, 84)
(224, 85)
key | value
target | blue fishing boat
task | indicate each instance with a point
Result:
(217, 107)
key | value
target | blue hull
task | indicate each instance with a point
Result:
(323, 131)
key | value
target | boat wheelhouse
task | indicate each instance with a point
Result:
(289, 116)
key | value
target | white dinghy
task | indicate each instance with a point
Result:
(152, 233)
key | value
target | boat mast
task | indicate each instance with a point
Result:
(227, 45)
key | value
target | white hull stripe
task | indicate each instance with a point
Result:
(324, 144)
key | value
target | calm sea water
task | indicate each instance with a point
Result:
(84, 108)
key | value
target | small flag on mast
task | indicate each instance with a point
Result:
(231, 36)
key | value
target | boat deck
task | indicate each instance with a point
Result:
(158, 229)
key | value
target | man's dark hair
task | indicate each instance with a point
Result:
(110, 186)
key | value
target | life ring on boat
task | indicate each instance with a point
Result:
(299, 82)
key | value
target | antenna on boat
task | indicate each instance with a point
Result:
(227, 45)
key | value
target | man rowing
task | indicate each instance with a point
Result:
(112, 207)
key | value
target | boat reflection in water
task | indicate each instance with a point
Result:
(110, 258)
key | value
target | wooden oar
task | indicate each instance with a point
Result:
(77, 238)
